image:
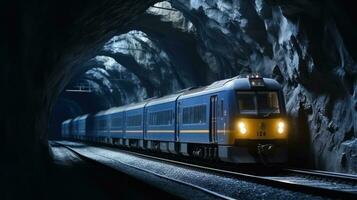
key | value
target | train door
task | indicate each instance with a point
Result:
(213, 119)
(177, 125)
(145, 122)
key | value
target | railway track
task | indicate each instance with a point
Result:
(327, 184)
(324, 183)
(211, 193)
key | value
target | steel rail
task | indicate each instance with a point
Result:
(323, 174)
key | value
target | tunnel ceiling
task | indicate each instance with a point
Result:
(128, 51)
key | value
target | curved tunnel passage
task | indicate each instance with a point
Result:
(308, 46)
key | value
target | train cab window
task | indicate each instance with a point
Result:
(268, 102)
(246, 102)
(262, 103)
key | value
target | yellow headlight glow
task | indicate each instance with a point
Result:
(242, 128)
(281, 127)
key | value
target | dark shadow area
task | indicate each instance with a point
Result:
(86, 179)
(300, 152)
(71, 105)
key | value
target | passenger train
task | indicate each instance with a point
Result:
(237, 120)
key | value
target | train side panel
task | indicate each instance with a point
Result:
(223, 111)
(101, 127)
(134, 124)
(160, 122)
(74, 132)
(117, 125)
(215, 127)
(66, 128)
(194, 120)
(90, 128)
(82, 126)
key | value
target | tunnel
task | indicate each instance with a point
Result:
(62, 59)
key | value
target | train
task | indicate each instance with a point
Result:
(236, 120)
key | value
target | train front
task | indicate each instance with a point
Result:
(259, 129)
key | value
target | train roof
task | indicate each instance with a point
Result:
(77, 118)
(115, 110)
(127, 107)
(83, 117)
(138, 105)
(101, 113)
(67, 121)
(235, 83)
(165, 99)
(244, 84)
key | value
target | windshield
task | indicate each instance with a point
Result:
(254, 103)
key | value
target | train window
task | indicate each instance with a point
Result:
(117, 122)
(134, 120)
(161, 118)
(246, 101)
(262, 103)
(194, 115)
(267, 102)
(102, 124)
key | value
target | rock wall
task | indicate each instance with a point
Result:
(301, 45)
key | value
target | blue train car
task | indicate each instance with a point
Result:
(81, 122)
(194, 119)
(90, 132)
(201, 116)
(117, 124)
(134, 131)
(75, 128)
(160, 123)
(101, 126)
(66, 128)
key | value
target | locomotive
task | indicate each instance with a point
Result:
(236, 120)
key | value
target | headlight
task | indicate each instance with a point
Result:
(281, 127)
(242, 128)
